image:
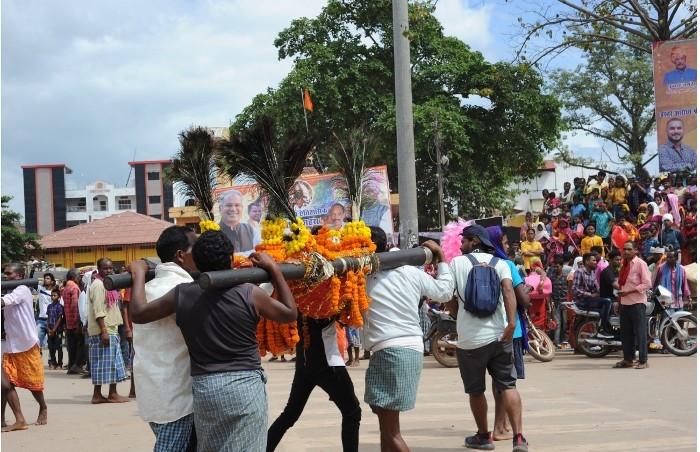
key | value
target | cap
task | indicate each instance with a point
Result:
(667, 216)
(476, 230)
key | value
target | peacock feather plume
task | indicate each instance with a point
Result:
(256, 153)
(194, 168)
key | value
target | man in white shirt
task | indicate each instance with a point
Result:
(161, 360)
(486, 342)
(393, 334)
(43, 302)
(21, 360)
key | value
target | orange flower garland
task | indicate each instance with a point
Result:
(341, 294)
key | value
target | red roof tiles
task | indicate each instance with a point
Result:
(121, 229)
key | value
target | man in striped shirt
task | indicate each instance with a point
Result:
(587, 294)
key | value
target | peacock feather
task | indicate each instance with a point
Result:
(274, 166)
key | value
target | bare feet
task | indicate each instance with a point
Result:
(355, 363)
(15, 426)
(98, 399)
(116, 398)
(500, 435)
(43, 417)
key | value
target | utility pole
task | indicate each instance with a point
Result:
(405, 152)
(438, 158)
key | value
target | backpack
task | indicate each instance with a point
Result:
(483, 290)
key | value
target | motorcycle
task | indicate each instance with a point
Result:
(540, 345)
(677, 330)
(442, 336)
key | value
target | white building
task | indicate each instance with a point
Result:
(551, 177)
(97, 201)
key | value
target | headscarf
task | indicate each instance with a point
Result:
(654, 206)
(577, 261)
(673, 203)
(496, 238)
(112, 295)
(543, 234)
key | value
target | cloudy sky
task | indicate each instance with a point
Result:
(94, 84)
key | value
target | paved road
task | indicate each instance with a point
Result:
(571, 404)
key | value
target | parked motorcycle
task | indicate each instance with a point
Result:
(677, 330)
(540, 345)
(442, 336)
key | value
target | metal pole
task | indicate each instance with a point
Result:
(229, 278)
(441, 201)
(303, 107)
(406, 157)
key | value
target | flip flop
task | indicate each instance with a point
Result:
(623, 365)
(641, 366)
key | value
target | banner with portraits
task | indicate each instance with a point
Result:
(675, 89)
(319, 199)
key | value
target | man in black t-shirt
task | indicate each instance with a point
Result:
(609, 275)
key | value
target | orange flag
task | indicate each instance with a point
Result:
(308, 105)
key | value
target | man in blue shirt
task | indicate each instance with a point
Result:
(675, 156)
(682, 74)
(602, 218)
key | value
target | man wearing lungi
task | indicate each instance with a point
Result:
(104, 318)
(393, 334)
(161, 361)
(219, 327)
(21, 360)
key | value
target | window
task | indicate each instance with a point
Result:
(114, 248)
(52, 252)
(146, 247)
(157, 216)
(153, 175)
(124, 203)
(103, 205)
(154, 199)
(83, 249)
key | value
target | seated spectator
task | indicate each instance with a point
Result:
(586, 294)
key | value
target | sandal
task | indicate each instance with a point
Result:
(641, 366)
(623, 365)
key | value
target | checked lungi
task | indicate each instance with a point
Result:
(25, 369)
(106, 363)
(230, 411)
(176, 436)
(392, 377)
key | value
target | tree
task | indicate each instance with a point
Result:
(635, 24)
(611, 97)
(344, 57)
(17, 246)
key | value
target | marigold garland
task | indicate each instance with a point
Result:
(209, 225)
(344, 295)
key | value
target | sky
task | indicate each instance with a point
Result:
(97, 83)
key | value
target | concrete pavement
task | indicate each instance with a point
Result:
(573, 403)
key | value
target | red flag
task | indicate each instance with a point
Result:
(308, 105)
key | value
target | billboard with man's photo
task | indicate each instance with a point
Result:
(675, 89)
(318, 199)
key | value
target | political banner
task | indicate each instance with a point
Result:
(675, 89)
(319, 199)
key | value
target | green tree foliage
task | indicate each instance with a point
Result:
(17, 246)
(345, 58)
(611, 97)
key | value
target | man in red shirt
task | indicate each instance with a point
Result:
(633, 282)
(74, 328)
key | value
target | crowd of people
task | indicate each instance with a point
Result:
(577, 247)
(197, 374)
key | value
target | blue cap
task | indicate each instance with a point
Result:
(476, 230)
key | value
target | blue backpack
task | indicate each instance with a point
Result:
(483, 290)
